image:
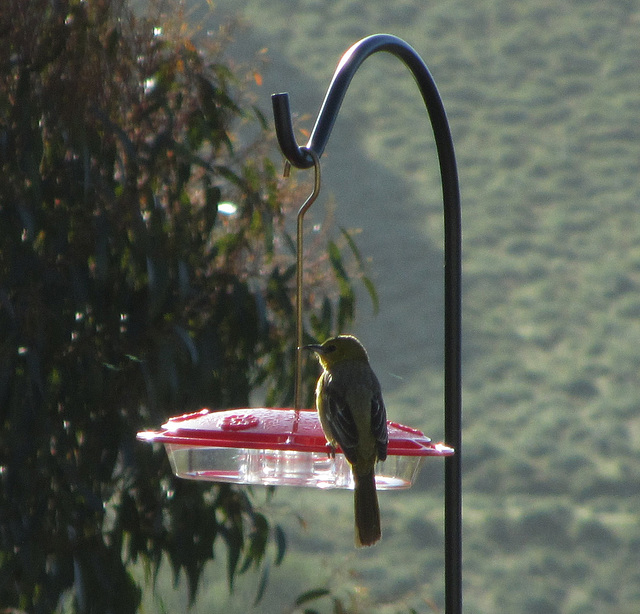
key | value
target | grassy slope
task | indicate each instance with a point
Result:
(544, 100)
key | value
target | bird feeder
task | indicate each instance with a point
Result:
(276, 446)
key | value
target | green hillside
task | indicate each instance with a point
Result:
(544, 103)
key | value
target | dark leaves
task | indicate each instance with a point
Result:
(126, 297)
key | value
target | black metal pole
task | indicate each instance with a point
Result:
(300, 157)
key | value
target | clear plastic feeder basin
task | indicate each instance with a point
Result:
(280, 447)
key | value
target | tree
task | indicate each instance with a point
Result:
(125, 297)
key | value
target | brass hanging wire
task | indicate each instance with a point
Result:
(310, 200)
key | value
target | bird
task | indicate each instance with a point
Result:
(353, 417)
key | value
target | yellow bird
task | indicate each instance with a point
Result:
(353, 416)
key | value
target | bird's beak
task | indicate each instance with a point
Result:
(314, 347)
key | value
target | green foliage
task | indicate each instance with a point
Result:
(125, 297)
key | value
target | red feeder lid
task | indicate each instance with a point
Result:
(275, 429)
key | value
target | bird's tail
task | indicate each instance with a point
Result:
(367, 511)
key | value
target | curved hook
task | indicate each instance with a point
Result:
(302, 157)
(299, 254)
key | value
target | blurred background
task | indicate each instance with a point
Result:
(543, 102)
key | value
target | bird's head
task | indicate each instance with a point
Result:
(338, 349)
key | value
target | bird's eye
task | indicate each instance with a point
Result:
(331, 348)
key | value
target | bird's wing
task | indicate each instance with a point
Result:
(343, 425)
(340, 420)
(379, 424)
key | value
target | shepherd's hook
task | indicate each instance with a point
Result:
(306, 157)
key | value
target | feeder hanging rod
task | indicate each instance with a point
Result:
(301, 157)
